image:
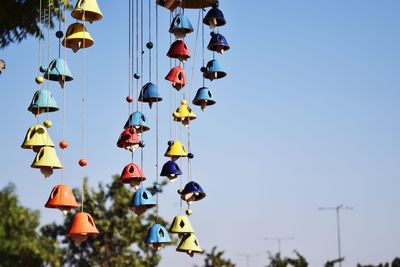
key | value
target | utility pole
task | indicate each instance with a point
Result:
(279, 240)
(247, 256)
(338, 209)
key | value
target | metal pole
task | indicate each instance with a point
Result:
(279, 241)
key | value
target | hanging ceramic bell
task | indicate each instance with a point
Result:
(77, 37)
(181, 225)
(169, 4)
(58, 71)
(46, 160)
(218, 43)
(184, 114)
(179, 50)
(203, 98)
(213, 70)
(189, 244)
(61, 198)
(142, 200)
(82, 227)
(214, 17)
(157, 236)
(149, 94)
(171, 170)
(192, 192)
(128, 139)
(138, 121)
(176, 150)
(197, 4)
(42, 101)
(180, 26)
(177, 76)
(37, 137)
(87, 10)
(132, 175)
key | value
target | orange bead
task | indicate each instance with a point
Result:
(63, 144)
(83, 162)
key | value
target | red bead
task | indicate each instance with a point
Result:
(129, 99)
(83, 162)
(63, 144)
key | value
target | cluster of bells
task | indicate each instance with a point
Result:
(37, 137)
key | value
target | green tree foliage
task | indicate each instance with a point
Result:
(21, 18)
(395, 263)
(215, 258)
(333, 262)
(20, 243)
(122, 233)
(277, 260)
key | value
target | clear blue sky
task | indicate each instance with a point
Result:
(308, 116)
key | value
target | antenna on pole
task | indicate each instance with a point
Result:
(279, 241)
(338, 208)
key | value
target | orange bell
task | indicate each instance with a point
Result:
(179, 50)
(61, 198)
(82, 227)
(132, 174)
(177, 76)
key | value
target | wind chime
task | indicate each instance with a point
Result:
(37, 137)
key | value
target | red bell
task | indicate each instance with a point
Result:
(128, 139)
(177, 76)
(132, 174)
(179, 50)
(82, 227)
(61, 198)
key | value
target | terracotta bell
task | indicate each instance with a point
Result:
(132, 175)
(37, 137)
(58, 71)
(213, 70)
(192, 192)
(62, 198)
(179, 50)
(157, 236)
(181, 225)
(176, 150)
(184, 114)
(142, 200)
(42, 102)
(214, 17)
(203, 98)
(177, 76)
(77, 37)
(171, 170)
(46, 160)
(87, 10)
(138, 121)
(190, 245)
(128, 139)
(149, 94)
(180, 26)
(218, 43)
(82, 227)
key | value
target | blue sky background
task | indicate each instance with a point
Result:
(308, 116)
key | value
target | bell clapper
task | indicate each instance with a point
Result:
(64, 211)
(46, 171)
(203, 105)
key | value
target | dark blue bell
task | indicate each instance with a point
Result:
(157, 236)
(213, 70)
(192, 192)
(203, 98)
(214, 17)
(137, 120)
(42, 101)
(58, 71)
(218, 43)
(171, 170)
(180, 26)
(149, 94)
(142, 200)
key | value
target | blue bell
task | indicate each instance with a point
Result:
(213, 70)
(149, 94)
(214, 17)
(142, 200)
(42, 101)
(137, 120)
(192, 192)
(218, 43)
(203, 98)
(157, 236)
(171, 170)
(180, 26)
(58, 71)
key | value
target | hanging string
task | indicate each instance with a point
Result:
(48, 54)
(202, 44)
(171, 89)
(149, 41)
(157, 132)
(129, 55)
(64, 96)
(83, 115)
(137, 53)
(194, 54)
(141, 75)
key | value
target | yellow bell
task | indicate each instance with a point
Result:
(46, 160)
(77, 37)
(37, 137)
(175, 150)
(184, 114)
(190, 245)
(181, 225)
(87, 10)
